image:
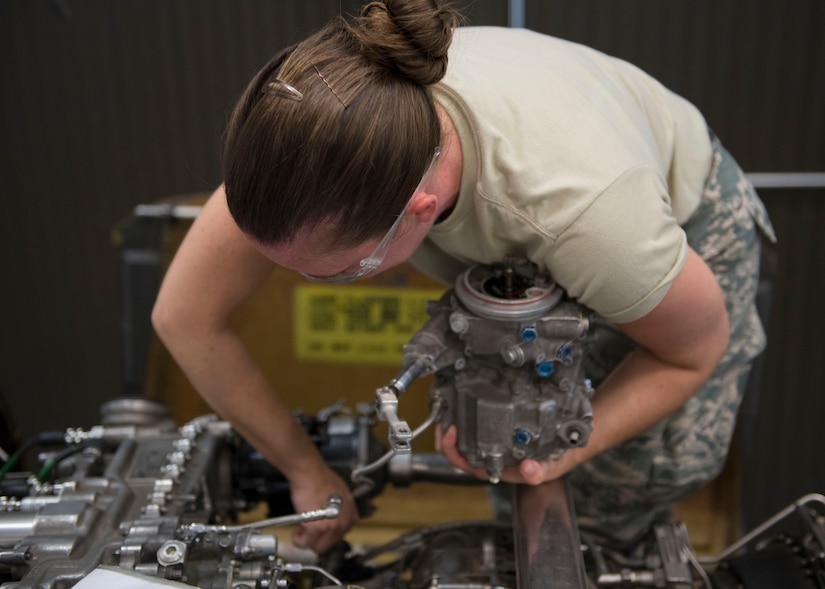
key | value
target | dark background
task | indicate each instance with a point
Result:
(107, 104)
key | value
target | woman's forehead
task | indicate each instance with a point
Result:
(307, 253)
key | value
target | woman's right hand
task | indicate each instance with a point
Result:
(216, 270)
(314, 492)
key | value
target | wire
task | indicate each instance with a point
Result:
(363, 483)
(687, 552)
(702, 573)
(299, 568)
(417, 537)
(16, 457)
(58, 458)
(43, 439)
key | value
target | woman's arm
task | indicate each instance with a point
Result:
(214, 271)
(680, 342)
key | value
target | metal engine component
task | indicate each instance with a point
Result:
(142, 496)
(143, 500)
(507, 348)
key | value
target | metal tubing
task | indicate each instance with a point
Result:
(406, 469)
(15, 527)
(405, 378)
(548, 549)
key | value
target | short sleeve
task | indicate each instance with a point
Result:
(621, 254)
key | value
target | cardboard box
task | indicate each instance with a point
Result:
(317, 344)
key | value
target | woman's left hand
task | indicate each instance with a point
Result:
(530, 472)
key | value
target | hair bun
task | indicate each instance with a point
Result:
(408, 37)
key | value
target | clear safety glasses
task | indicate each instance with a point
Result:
(371, 262)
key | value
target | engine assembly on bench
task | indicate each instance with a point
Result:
(139, 498)
(162, 504)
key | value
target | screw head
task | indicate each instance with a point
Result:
(545, 368)
(522, 436)
(529, 333)
(565, 353)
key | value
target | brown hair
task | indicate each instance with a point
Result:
(340, 127)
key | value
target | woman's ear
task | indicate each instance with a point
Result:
(423, 206)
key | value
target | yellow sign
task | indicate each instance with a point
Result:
(364, 325)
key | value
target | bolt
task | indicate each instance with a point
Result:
(459, 324)
(545, 369)
(565, 353)
(513, 355)
(171, 553)
(529, 333)
(522, 436)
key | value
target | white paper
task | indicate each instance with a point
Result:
(109, 577)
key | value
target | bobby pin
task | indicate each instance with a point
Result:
(277, 87)
(334, 93)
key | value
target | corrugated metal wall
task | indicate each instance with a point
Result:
(106, 104)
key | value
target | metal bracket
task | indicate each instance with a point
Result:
(400, 434)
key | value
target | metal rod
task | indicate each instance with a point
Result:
(436, 468)
(517, 14)
(787, 180)
(517, 20)
(406, 377)
(167, 210)
(813, 498)
(15, 527)
(331, 511)
(548, 548)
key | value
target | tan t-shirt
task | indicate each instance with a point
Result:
(577, 160)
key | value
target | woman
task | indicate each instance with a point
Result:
(359, 148)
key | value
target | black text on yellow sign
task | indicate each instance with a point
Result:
(363, 325)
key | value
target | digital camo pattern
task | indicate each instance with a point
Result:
(621, 492)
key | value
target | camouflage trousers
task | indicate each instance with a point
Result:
(620, 493)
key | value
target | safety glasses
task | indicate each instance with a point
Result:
(371, 262)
